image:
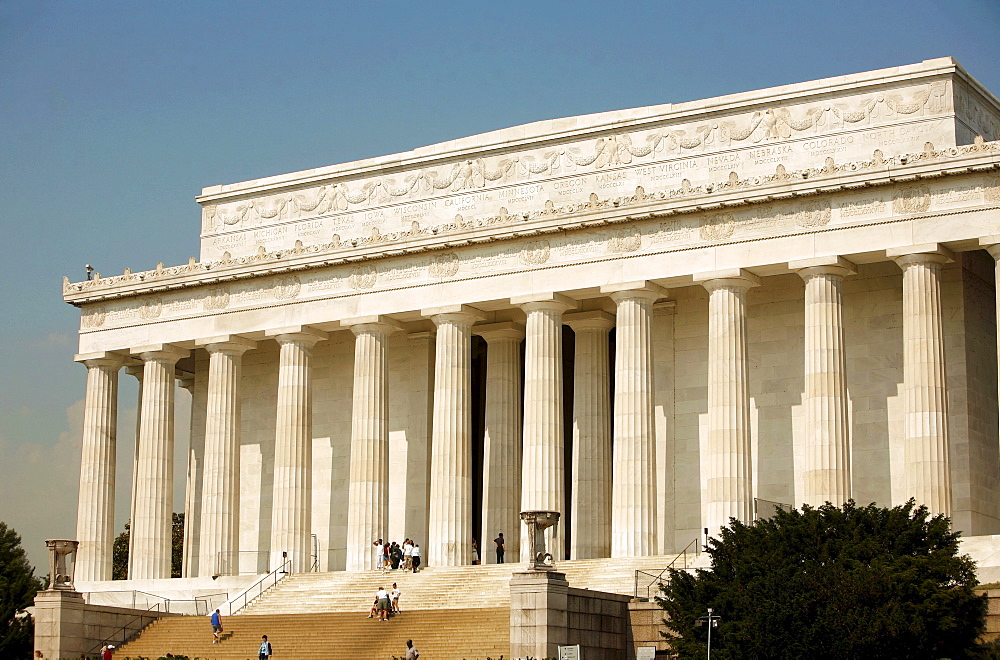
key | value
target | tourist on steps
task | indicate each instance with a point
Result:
(395, 593)
(411, 651)
(498, 542)
(475, 551)
(216, 626)
(383, 604)
(415, 557)
(265, 648)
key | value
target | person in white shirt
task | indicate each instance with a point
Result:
(378, 553)
(416, 557)
(265, 648)
(395, 593)
(382, 596)
(408, 554)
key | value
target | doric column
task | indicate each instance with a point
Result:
(152, 526)
(992, 244)
(192, 481)
(590, 536)
(925, 400)
(96, 513)
(368, 489)
(727, 467)
(826, 445)
(450, 524)
(633, 511)
(291, 507)
(219, 541)
(135, 370)
(502, 441)
(543, 470)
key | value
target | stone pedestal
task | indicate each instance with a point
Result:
(59, 624)
(539, 618)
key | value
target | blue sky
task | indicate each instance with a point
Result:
(114, 115)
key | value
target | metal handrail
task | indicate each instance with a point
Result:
(164, 600)
(125, 635)
(658, 577)
(273, 577)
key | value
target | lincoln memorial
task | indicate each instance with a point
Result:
(649, 320)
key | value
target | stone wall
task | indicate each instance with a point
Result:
(67, 627)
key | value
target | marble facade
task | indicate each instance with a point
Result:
(786, 295)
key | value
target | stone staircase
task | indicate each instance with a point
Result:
(451, 613)
(441, 635)
(455, 587)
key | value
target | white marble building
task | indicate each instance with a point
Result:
(649, 320)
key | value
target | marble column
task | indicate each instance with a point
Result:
(96, 513)
(291, 505)
(152, 527)
(727, 466)
(925, 398)
(192, 482)
(633, 508)
(219, 542)
(368, 489)
(449, 541)
(502, 441)
(826, 445)
(135, 370)
(590, 536)
(992, 244)
(543, 470)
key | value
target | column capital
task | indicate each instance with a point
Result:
(300, 334)
(991, 244)
(832, 265)
(453, 314)
(109, 359)
(374, 324)
(226, 344)
(920, 254)
(544, 301)
(639, 290)
(505, 330)
(169, 353)
(592, 320)
(729, 277)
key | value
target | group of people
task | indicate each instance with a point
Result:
(263, 653)
(394, 556)
(385, 602)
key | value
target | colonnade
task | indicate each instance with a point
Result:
(614, 498)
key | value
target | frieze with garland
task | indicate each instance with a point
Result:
(713, 228)
(601, 153)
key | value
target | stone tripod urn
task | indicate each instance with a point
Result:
(60, 571)
(538, 522)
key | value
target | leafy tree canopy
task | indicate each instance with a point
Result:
(18, 586)
(829, 582)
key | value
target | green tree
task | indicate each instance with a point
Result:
(119, 553)
(829, 582)
(18, 586)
